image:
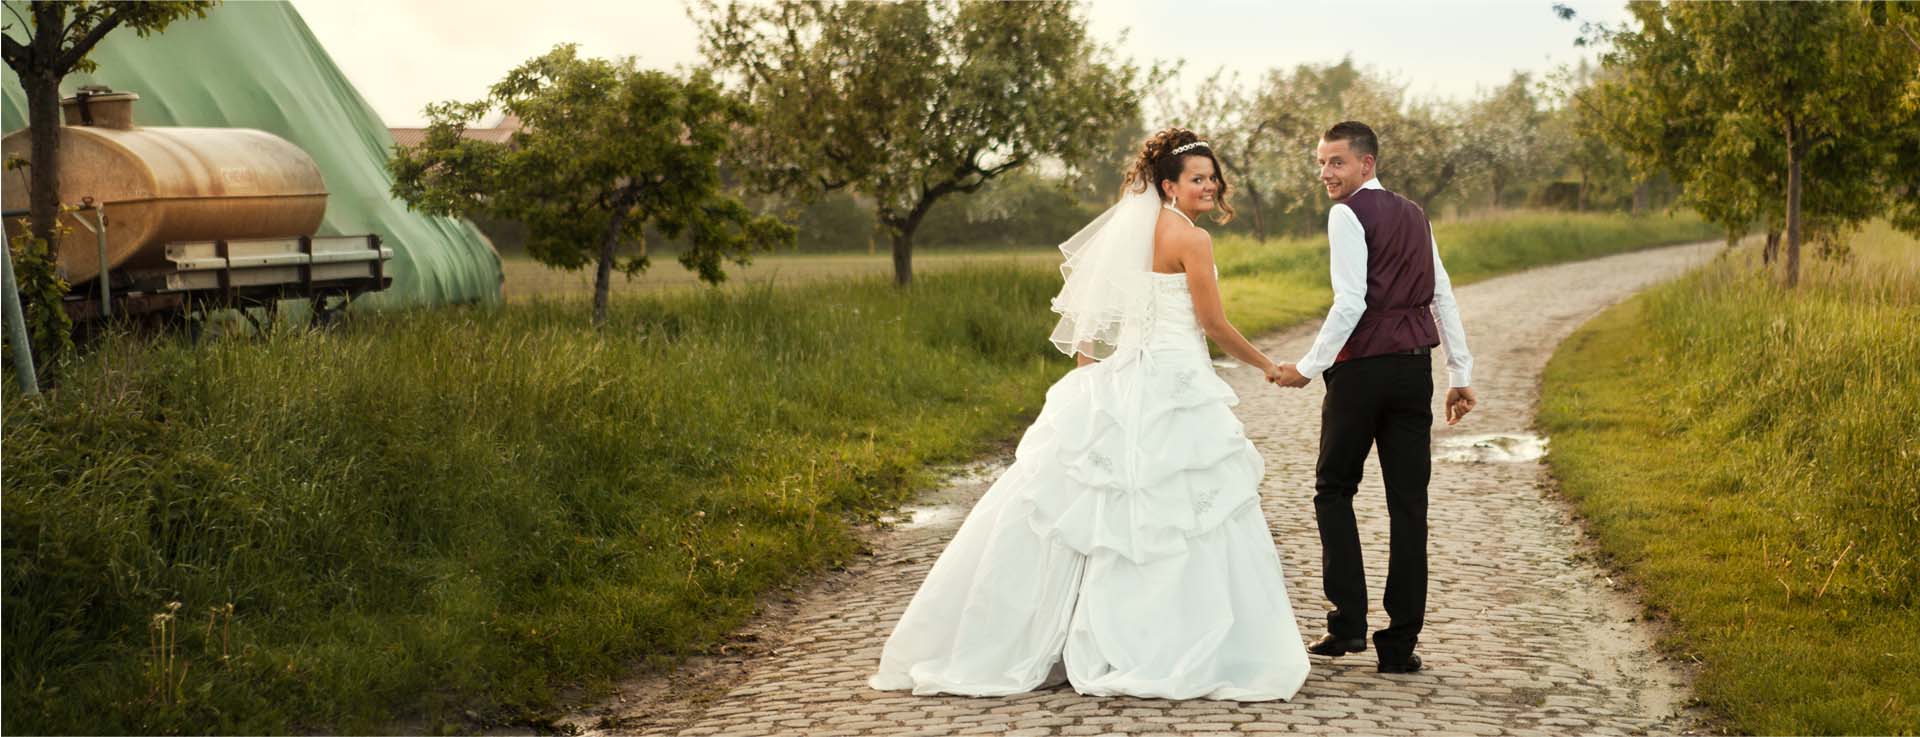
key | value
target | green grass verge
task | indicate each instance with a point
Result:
(1751, 457)
(425, 512)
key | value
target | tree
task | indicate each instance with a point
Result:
(1900, 23)
(1812, 81)
(1426, 151)
(1642, 112)
(1584, 114)
(605, 150)
(43, 59)
(907, 103)
(1716, 87)
(1096, 181)
(1505, 126)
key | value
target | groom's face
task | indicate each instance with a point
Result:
(1341, 171)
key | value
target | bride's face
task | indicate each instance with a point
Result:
(1196, 187)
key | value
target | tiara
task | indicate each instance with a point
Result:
(1194, 145)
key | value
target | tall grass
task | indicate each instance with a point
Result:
(425, 512)
(1752, 456)
(436, 504)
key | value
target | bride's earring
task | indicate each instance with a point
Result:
(1176, 203)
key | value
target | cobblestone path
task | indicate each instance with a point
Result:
(1524, 635)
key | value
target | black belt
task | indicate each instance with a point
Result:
(1422, 351)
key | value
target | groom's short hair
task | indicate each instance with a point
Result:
(1358, 135)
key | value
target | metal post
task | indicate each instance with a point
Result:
(106, 290)
(100, 237)
(17, 332)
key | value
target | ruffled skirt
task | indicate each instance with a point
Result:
(1123, 550)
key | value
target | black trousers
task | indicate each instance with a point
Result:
(1385, 401)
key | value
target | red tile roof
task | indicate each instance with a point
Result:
(408, 137)
(501, 132)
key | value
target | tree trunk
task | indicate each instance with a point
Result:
(603, 271)
(1640, 194)
(42, 85)
(43, 187)
(1794, 155)
(1771, 252)
(903, 228)
(1580, 200)
(1259, 217)
(1426, 197)
(902, 255)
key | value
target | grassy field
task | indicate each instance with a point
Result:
(423, 513)
(529, 279)
(1276, 283)
(1751, 457)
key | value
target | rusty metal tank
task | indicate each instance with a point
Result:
(163, 184)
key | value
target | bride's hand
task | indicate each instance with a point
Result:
(1288, 376)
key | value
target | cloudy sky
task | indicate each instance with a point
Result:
(403, 54)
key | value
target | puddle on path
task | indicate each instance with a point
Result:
(914, 518)
(1496, 448)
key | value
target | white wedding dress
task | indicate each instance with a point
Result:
(1124, 548)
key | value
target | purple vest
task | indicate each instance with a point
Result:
(1399, 315)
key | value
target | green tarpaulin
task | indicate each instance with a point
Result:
(256, 65)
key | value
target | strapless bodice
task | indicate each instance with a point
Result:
(1175, 326)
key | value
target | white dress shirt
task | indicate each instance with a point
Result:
(1348, 264)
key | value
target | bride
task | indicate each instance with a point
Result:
(1124, 550)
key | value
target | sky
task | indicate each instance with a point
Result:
(403, 54)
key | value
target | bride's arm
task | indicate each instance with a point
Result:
(1196, 257)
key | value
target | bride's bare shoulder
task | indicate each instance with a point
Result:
(1184, 238)
(1176, 231)
(1179, 246)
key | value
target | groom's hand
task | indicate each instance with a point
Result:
(1460, 401)
(1289, 376)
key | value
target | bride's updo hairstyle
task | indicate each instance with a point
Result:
(1158, 163)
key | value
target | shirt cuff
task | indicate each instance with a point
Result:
(1459, 379)
(1307, 368)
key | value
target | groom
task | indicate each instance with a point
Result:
(1374, 351)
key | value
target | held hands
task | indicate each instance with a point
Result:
(1460, 401)
(1286, 375)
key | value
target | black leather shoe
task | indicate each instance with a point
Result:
(1410, 665)
(1335, 646)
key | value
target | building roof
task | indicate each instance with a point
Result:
(501, 132)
